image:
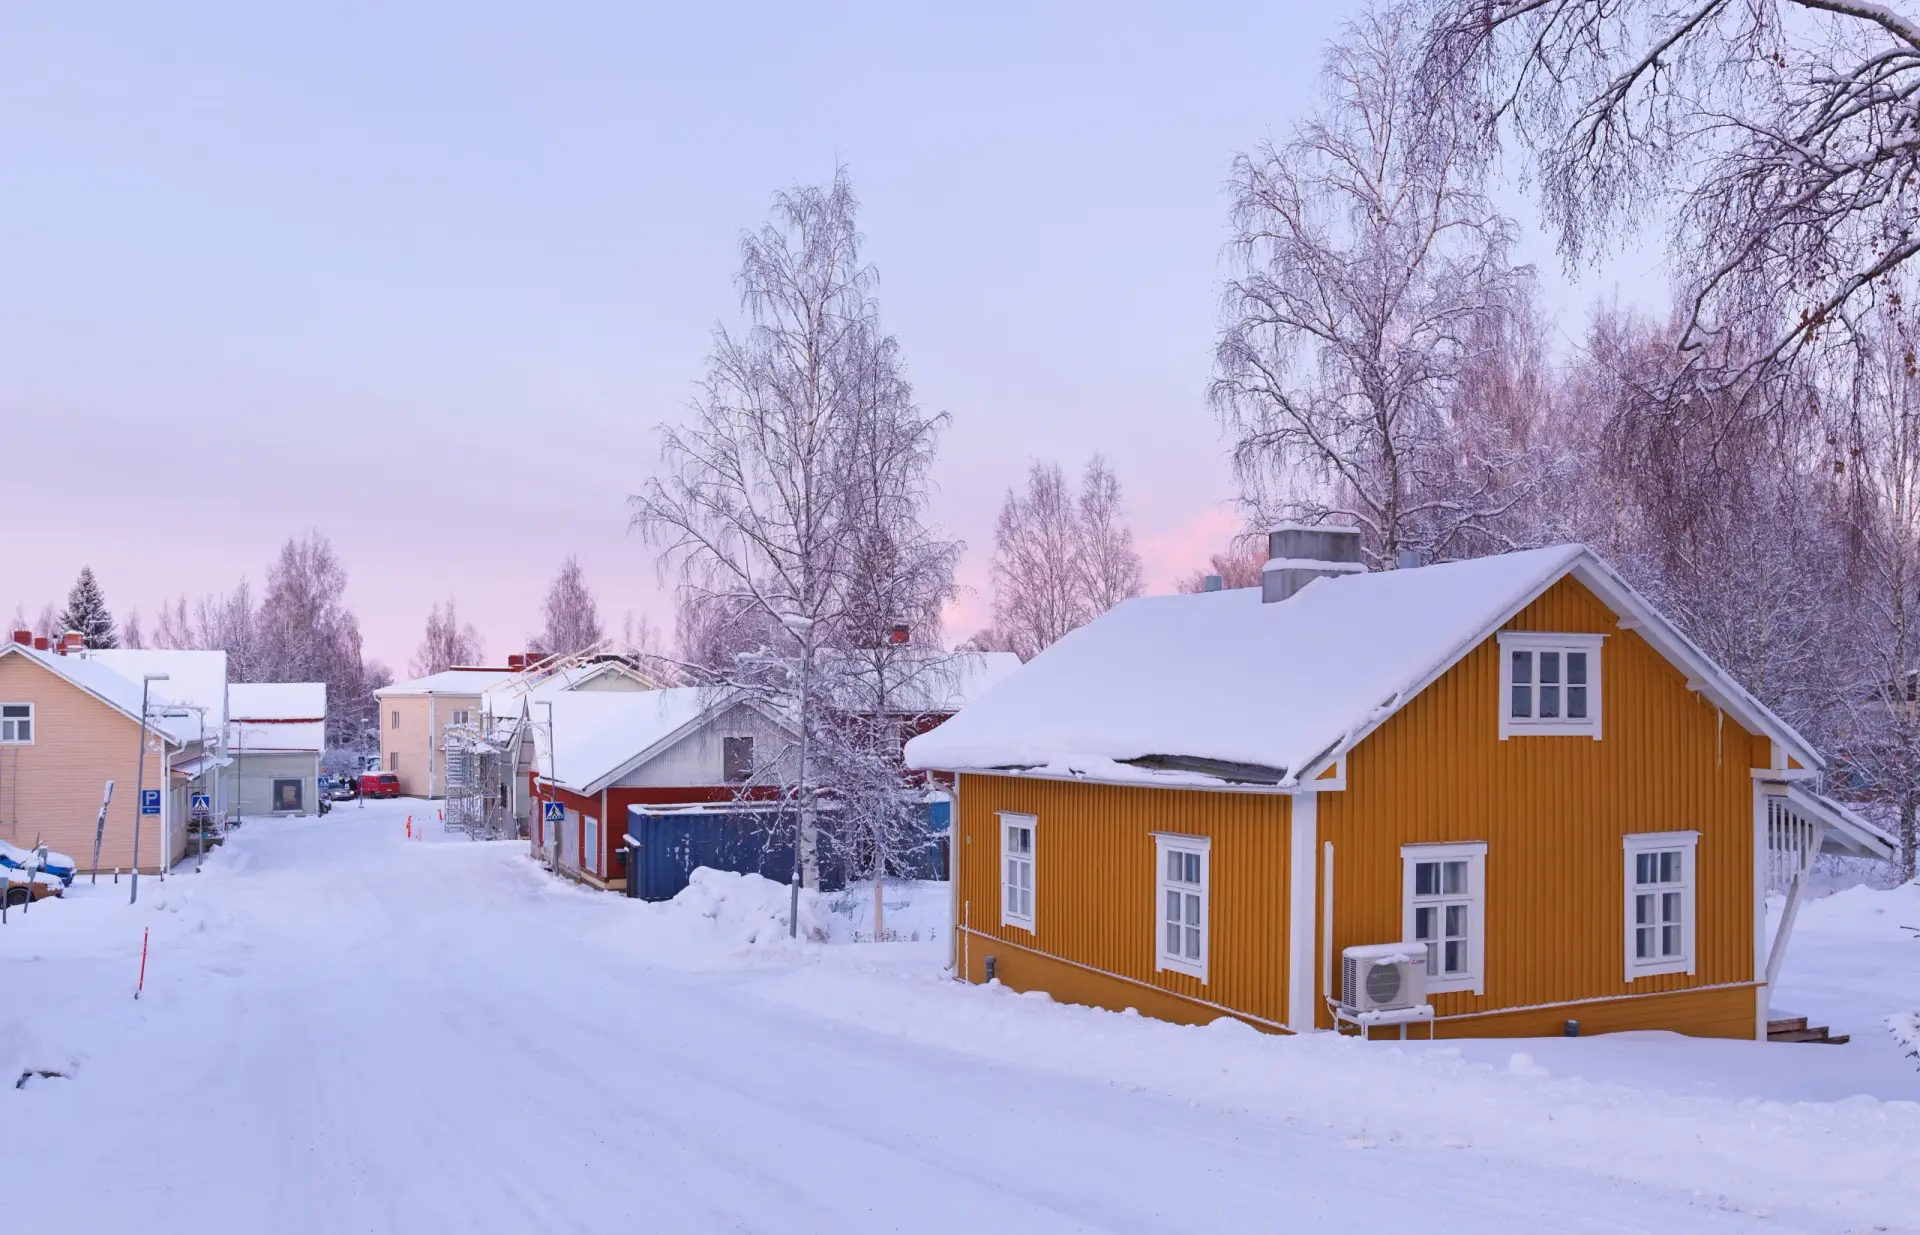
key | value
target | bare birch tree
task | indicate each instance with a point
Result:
(448, 642)
(789, 504)
(1369, 267)
(1879, 431)
(1059, 562)
(571, 616)
(1109, 564)
(1779, 136)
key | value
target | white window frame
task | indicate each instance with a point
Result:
(1474, 854)
(1008, 916)
(1635, 844)
(1165, 843)
(1512, 641)
(33, 723)
(460, 716)
(396, 718)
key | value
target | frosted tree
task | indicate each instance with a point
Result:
(1369, 265)
(1110, 569)
(86, 612)
(886, 668)
(766, 504)
(1878, 429)
(1037, 592)
(447, 643)
(305, 632)
(1775, 134)
(131, 633)
(572, 618)
(1240, 566)
(1059, 562)
(48, 625)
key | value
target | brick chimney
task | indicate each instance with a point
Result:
(40, 643)
(516, 662)
(23, 637)
(74, 642)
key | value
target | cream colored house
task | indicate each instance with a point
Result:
(415, 716)
(67, 725)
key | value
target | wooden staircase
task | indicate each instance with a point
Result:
(1794, 1029)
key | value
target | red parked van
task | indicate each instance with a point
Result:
(379, 784)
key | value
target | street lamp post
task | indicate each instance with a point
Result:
(800, 627)
(140, 781)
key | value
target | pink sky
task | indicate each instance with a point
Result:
(426, 277)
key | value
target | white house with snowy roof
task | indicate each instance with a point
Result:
(1497, 796)
(276, 739)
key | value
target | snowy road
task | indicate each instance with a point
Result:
(345, 1032)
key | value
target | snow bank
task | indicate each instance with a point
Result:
(745, 911)
(1847, 1159)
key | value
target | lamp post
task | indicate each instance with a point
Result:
(140, 781)
(553, 783)
(800, 627)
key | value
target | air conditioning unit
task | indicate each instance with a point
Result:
(1381, 977)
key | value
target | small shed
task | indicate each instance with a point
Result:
(276, 737)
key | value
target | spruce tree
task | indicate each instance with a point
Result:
(86, 612)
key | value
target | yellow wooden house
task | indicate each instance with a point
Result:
(1506, 788)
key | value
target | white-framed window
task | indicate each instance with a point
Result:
(396, 718)
(1180, 903)
(460, 716)
(1016, 869)
(1444, 906)
(1660, 887)
(16, 724)
(393, 761)
(1549, 684)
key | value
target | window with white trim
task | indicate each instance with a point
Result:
(396, 718)
(1660, 902)
(1016, 869)
(460, 716)
(16, 724)
(1180, 903)
(1444, 906)
(1549, 684)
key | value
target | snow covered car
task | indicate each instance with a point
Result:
(22, 887)
(59, 865)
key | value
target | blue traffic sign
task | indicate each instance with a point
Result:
(202, 801)
(553, 812)
(149, 801)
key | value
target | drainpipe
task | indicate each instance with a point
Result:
(433, 737)
(953, 883)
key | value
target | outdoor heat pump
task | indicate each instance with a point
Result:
(1382, 977)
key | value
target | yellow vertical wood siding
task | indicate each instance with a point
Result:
(1094, 895)
(1553, 811)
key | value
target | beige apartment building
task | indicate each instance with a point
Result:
(68, 725)
(415, 717)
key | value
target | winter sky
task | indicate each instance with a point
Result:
(425, 276)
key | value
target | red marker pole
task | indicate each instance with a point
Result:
(143, 963)
(409, 827)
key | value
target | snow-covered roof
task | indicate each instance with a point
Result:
(110, 688)
(448, 682)
(599, 735)
(278, 701)
(194, 678)
(506, 697)
(1283, 688)
(262, 737)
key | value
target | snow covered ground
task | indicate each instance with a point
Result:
(345, 1031)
